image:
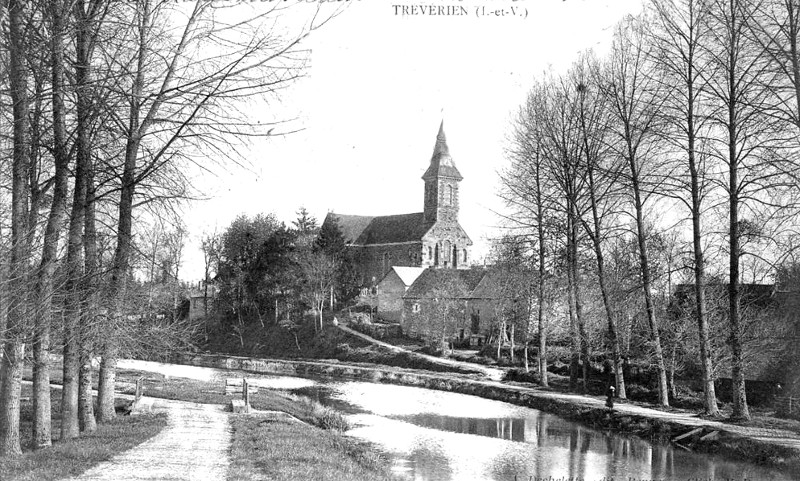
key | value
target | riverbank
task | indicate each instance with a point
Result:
(267, 444)
(770, 447)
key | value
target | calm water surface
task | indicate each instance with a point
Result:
(440, 436)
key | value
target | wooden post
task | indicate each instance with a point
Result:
(138, 393)
(246, 394)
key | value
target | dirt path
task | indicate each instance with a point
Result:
(492, 373)
(193, 446)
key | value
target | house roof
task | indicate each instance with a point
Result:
(408, 274)
(760, 296)
(387, 229)
(431, 278)
(490, 286)
(442, 164)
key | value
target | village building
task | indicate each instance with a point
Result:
(391, 289)
(431, 238)
(431, 291)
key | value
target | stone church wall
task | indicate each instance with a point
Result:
(374, 261)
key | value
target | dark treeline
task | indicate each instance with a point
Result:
(269, 274)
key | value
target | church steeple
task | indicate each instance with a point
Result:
(441, 183)
(441, 162)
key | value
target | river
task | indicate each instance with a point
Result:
(440, 436)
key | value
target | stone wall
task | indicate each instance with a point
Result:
(390, 297)
(374, 261)
(416, 320)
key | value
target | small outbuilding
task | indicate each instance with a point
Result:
(391, 290)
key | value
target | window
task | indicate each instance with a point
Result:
(415, 308)
(450, 195)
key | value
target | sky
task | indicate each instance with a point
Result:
(368, 109)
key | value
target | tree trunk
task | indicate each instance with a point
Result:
(576, 285)
(44, 291)
(596, 237)
(709, 393)
(14, 346)
(105, 389)
(739, 396)
(540, 287)
(740, 409)
(74, 311)
(10, 395)
(86, 415)
(663, 392)
(573, 323)
(511, 342)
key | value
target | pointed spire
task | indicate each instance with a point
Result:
(441, 143)
(442, 164)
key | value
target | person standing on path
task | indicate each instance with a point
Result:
(610, 397)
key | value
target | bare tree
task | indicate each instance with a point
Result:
(524, 192)
(748, 145)
(319, 272)
(170, 102)
(600, 183)
(634, 97)
(678, 34)
(14, 345)
(47, 267)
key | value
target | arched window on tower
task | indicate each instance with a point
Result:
(449, 199)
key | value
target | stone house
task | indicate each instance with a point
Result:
(479, 304)
(431, 238)
(423, 300)
(391, 290)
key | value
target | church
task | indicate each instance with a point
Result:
(431, 238)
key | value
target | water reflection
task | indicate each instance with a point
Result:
(436, 435)
(440, 436)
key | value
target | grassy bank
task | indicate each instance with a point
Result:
(291, 451)
(275, 342)
(266, 448)
(73, 457)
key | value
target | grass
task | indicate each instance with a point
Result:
(73, 457)
(276, 450)
(275, 342)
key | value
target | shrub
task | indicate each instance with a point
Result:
(327, 418)
(520, 375)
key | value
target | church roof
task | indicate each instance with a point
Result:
(431, 278)
(442, 164)
(386, 229)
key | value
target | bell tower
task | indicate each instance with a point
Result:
(441, 183)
